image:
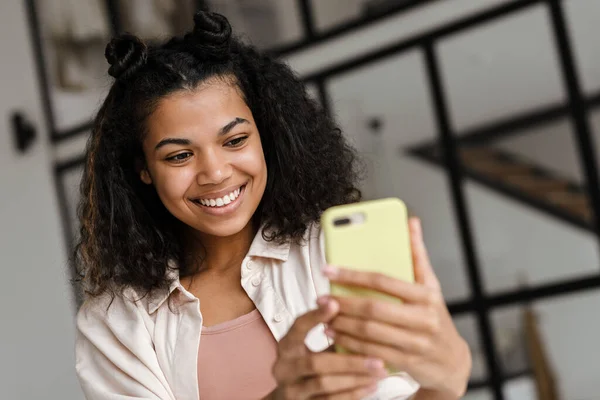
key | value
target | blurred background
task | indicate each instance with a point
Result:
(481, 114)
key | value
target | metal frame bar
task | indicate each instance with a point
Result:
(578, 111)
(415, 41)
(485, 383)
(511, 192)
(308, 20)
(112, 10)
(461, 209)
(69, 235)
(40, 67)
(526, 295)
(59, 170)
(341, 29)
(323, 96)
(513, 126)
(529, 294)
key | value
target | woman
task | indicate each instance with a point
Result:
(207, 171)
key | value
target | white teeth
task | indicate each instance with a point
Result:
(228, 198)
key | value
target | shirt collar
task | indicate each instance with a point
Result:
(266, 249)
(259, 248)
(158, 298)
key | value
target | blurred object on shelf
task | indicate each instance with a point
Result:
(542, 371)
(155, 19)
(258, 20)
(77, 31)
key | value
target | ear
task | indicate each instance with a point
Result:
(140, 166)
(145, 176)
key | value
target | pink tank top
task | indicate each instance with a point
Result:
(235, 359)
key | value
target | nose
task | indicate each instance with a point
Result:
(213, 168)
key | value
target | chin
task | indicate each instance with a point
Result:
(224, 228)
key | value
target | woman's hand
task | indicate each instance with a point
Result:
(302, 374)
(417, 336)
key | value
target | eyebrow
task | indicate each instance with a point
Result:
(164, 142)
(186, 142)
(227, 128)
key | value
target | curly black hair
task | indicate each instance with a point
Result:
(127, 236)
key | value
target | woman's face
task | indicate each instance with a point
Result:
(205, 159)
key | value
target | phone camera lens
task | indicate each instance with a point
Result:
(341, 221)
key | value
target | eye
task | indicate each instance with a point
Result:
(179, 158)
(237, 142)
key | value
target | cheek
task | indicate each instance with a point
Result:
(172, 183)
(252, 162)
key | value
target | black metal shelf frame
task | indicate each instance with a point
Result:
(480, 303)
(313, 37)
(461, 210)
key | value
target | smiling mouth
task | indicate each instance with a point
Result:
(221, 202)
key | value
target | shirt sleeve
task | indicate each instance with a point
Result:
(399, 386)
(115, 358)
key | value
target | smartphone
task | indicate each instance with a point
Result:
(370, 236)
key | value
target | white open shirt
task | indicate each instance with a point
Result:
(144, 350)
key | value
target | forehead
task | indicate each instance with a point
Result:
(205, 109)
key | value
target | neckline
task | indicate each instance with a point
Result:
(232, 324)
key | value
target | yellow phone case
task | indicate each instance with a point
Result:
(377, 240)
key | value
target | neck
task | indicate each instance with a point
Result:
(220, 254)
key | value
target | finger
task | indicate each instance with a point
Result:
(410, 316)
(355, 394)
(406, 291)
(391, 355)
(415, 233)
(379, 333)
(324, 363)
(328, 308)
(424, 273)
(329, 385)
(334, 363)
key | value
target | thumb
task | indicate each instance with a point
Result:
(327, 310)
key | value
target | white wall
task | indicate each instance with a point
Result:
(37, 331)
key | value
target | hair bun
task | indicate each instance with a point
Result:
(211, 35)
(126, 54)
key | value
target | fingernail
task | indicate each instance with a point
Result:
(418, 226)
(374, 364)
(413, 224)
(331, 271)
(333, 305)
(322, 301)
(330, 333)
